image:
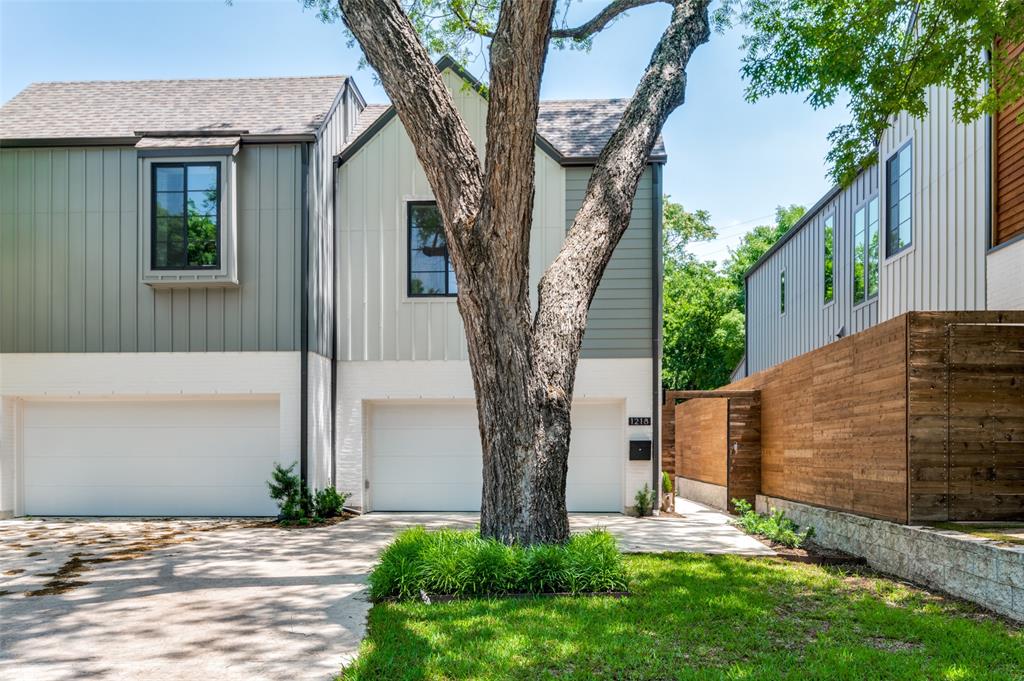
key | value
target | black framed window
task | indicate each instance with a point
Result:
(782, 292)
(899, 173)
(865, 251)
(185, 216)
(430, 269)
(828, 268)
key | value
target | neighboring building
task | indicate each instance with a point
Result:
(199, 278)
(937, 223)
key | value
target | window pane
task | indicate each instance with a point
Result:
(426, 283)
(202, 241)
(873, 249)
(170, 179)
(782, 292)
(169, 242)
(453, 286)
(858, 256)
(202, 178)
(203, 203)
(828, 259)
(169, 204)
(904, 158)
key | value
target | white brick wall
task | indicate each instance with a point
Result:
(625, 379)
(140, 376)
(318, 394)
(1006, 277)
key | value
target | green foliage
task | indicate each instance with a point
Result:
(881, 55)
(294, 501)
(645, 500)
(774, 526)
(462, 563)
(756, 243)
(666, 482)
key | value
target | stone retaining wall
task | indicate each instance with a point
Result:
(963, 565)
(715, 496)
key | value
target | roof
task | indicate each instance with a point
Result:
(576, 130)
(126, 110)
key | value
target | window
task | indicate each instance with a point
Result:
(430, 270)
(782, 292)
(828, 238)
(185, 216)
(865, 252)
(899, 181)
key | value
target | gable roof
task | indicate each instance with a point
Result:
(124, 111)
(572, 131)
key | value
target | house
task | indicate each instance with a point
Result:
(936, 223)
(199, 278)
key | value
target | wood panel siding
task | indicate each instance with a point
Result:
(833, 424)
(702, 440)
(744, 448)
(1008, 149)
(70, 258)
(965, 415)
(809, 321)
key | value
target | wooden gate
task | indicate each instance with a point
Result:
(985, 421)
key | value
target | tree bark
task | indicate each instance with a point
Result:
(523, 366)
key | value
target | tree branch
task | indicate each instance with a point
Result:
(439, 135)
(602, 19)
(570, 282)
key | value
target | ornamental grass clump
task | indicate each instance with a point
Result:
(462, 563)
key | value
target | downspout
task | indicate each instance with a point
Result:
(304, 324)
(656, 285)
(334, 324)
(746, 328)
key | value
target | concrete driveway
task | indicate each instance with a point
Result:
(227, 599)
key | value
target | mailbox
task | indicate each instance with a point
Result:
(639, 450)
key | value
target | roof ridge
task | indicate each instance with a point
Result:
(586, 99)
(184, 80)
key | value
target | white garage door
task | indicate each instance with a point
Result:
(161, 457)
(426, 457)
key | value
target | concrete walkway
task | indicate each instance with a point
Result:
(228, 599)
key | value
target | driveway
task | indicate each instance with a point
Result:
(227, 599)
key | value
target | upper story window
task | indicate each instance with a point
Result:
(828, 270)
(899, 183)
(430, 269)
(782, 292)
(865, 251)
(186, 216)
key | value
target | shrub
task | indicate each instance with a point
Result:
(462, 563)
(774, 526)
(666, 482)
(645, 500)
(294, 501)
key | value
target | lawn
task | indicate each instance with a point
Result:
(699, 617)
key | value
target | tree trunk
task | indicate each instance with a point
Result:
(523, 369)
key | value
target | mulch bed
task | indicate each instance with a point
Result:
(814, 554)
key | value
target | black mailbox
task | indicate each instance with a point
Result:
(639, 450)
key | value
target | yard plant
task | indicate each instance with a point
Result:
(774, 525)
(297, 504)
(461, 562)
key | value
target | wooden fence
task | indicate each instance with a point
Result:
(920, 418)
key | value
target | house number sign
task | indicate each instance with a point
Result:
(639, 420)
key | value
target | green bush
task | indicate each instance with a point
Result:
(462, 563)
(774, 526)
(645, 500)
(666, 482)
(294, 501)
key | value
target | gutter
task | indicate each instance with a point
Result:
(304, 324)
(126, 141)
(656, 284)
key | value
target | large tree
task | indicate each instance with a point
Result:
(524, 361)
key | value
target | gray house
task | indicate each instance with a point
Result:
(936, 223)
(199, 278)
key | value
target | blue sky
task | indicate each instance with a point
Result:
(734, 159)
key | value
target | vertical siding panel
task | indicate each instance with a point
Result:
(196, 301)
(76, 250)
(162, 323)
(215, 320)
(8, 249)
(249, 245)
(111, 250)
(269, 225)
(129, 267)
(24, 249)
(179, 320)
(42, 184)
(94, 250)
(288, 270)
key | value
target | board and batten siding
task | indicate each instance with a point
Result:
(70, 258)
(944, 268)
(383, 323)
(809, 322)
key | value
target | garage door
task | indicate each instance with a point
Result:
(167, 457)
(426, 457)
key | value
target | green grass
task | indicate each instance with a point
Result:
(986, 531)
(698, 617)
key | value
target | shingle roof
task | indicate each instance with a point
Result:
(122, 109)
(577, 129)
